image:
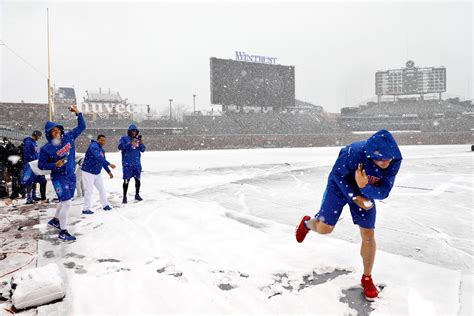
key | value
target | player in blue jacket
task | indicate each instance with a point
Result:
(94, 162)
(364, 171)
(131, 146)
(58, 156)
(29, 179)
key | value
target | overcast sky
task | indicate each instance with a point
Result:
(151, 52)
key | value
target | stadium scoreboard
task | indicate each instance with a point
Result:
(410, 80)
(251, 84)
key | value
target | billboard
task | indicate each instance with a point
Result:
(65, 96)
(410, 80)
(243, 83)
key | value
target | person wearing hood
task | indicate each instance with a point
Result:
(29, 179)
(58, 155)
(131, 146)
(364, 171)
(93, 164)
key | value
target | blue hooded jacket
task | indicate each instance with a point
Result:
(379, 146)
(131, 153)
(50, 154)
(95, 160)
(30, 150)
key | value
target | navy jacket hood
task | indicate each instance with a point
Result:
(131, 128)
(382, 145)
(49, 126)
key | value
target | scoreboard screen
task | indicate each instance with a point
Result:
(410, 80)
(65, 95)
(251, 84)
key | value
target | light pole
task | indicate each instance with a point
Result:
(194, 103)
(50, 91)
(171, 100)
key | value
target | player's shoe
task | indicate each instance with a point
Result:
(54, 222)
(138, 197)
(124, 200)
(107, 208)
(87, 212)
(370, 290)
(301, 230)
(64, 235)
(30, 201)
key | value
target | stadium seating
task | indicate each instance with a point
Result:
(255, 123)
(23, 116)
(409, 114)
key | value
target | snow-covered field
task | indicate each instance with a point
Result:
(215, 234)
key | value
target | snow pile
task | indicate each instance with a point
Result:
(37, 286)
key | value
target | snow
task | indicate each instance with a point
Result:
(37, 286)
(215, 234)
(14, 159)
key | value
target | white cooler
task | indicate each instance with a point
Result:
(36, 287)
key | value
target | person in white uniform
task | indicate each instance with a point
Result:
(93, 163)
(79, 185)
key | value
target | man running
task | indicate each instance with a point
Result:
(364, 171)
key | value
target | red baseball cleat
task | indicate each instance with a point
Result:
(302, 231)
(370, 290)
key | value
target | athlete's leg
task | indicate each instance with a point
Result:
(328, 215)
(65, 191)
(88, 180)
(125, 187)
(367, 249)
(366, 221)
(99, 184)
(58, 209)
(79, 185)
(320, 227)
(63, 214)
(137, 185)
(33, 190)
(29, 190)
(43, 189)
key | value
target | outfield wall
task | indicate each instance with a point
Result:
(196, 142)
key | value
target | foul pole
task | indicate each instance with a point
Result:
(50, 92)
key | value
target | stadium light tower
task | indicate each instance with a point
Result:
(194, 103)
(171, 100)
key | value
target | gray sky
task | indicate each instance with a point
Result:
(151, 52)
